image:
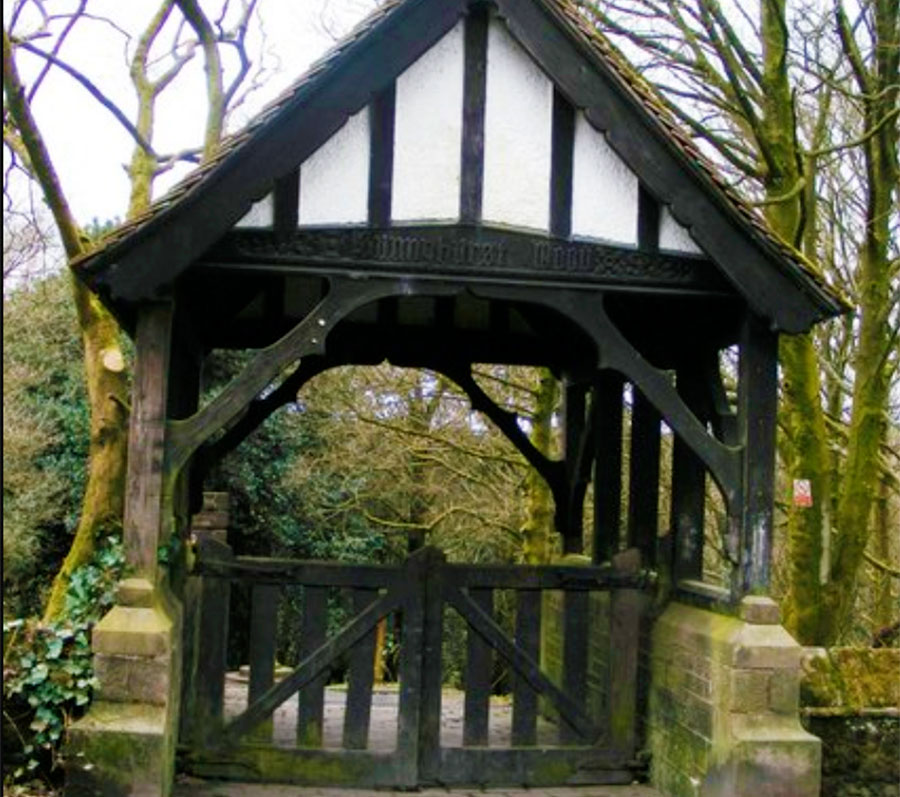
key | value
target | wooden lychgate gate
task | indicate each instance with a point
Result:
(551, 738)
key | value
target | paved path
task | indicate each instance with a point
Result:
(186, 787)
(383, 738)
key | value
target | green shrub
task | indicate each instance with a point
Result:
(48, 673)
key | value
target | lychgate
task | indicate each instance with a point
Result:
(465, 182)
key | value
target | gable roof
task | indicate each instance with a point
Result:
(176, 229)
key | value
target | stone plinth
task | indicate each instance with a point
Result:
(724, 706)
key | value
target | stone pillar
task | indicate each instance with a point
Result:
(724, 706)
(125, 744)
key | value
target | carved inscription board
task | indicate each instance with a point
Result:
(475, 251)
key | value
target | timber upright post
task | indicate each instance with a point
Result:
(125, 744)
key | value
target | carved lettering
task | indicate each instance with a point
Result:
(485, 251)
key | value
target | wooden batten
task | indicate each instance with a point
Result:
(474, 94)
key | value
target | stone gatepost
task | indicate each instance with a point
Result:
(125, 744)
(724, 706)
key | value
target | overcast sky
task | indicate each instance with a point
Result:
(90, 148)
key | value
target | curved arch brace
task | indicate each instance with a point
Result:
(615, 352)
(307, 338)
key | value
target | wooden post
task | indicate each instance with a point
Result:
(625, 609)
(607, 465)
(757, 407)
(148, 487)
(643, 481)
(568, 517)
(688, 494)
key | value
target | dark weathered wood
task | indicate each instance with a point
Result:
(361, 676)
(626, 607)
(552, 471)
(524, 665)
(528, 639)
(418, 566)
(535, 767)
(263, 617)
(205, 688)
(688, 496)
(310, 668)
(287, 202)
(562, 147)
(147, 500)
(757, 411)
(296, 571)
(568, 514)
(618, 354)
(576, 631)
(432, 671)
(607, 398)
(479, 671)
(464, 250)
(643, 479)
(381, 156)
(301, 767)
(311, 700)
(568, 577)
(648, 221)
(474, 93)
(306, 338)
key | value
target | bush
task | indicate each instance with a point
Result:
(48, 669)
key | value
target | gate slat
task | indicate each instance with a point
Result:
(413, 632)
(263, 615)
(310, 668)
(524, 665)
(432, 674)
(575, 656)
(311, 700)
(479, 666)
(528, 638)
(361, 676)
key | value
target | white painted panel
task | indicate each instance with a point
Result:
(261, 214)
(604, 189)
(673, 237)
(428, 133)
(517, 134)
(334, 180)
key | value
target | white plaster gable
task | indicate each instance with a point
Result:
(428, 133)
(604, 189)
(673, 237)
(334, 180)
(517, 135)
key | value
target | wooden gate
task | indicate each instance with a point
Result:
(549, 737)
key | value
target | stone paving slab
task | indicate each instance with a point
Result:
(186, 787)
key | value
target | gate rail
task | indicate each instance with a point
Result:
(419, 591)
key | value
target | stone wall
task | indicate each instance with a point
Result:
(723, 715)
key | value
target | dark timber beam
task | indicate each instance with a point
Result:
(688, 492)
(148, 490)
(381, 156)
(569, 511)
(643, 480)
(562, 148)
(608, 464)
(305, 339)
(757, 409)
(474, 93)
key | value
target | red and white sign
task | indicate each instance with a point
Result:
(803, 492)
